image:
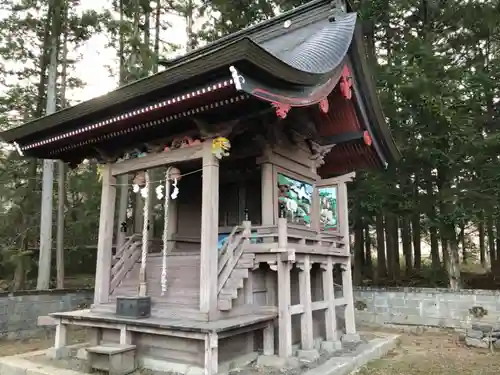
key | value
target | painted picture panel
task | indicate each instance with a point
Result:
(328, 208)
(296, 199)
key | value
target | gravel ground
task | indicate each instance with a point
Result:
(432, 354)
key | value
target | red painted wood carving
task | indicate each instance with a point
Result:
(323, 105)
(367, 138)
(346, 83)
(282, 109)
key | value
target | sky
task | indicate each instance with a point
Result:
(92, 68)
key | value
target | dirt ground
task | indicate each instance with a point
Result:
(12, 347)
(38, 342)
(432, 354)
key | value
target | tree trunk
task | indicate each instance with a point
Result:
(406, 242)
(415, 225)
(61, 180)
(156, 47)
(482, 249)
(462, 242)
(453, 264)
(491, 241)
(416, 235)
(358, 252)
(44, 263)
(381, 259)
(444, 250)
(391, 234)
(433, 232)
(497, 242)
(395, 244)
(368, 252)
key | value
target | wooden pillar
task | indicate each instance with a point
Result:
(306, 319)
(329, 296)
(138, 213)
(211, 353)
(105, 240)
(209, 232)
(284, 316)
(122, 211)
(350, 323)
(267, 194)
(172, 223)
(61, 337)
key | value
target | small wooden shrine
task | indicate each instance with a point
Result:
(238, 155)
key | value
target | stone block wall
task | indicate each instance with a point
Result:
(19, 311)
(429, 307)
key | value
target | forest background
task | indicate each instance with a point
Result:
(433, 219)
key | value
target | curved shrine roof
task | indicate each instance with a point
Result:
(295, 59)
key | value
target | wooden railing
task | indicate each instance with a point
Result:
(231, 252)
(126, 245)
(284, 237)
(129, 254)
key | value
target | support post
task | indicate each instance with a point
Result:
(306, 319)
(350, 324)
(329, 296)
(172, 224)
(122, 211)
(211, 353)
(105, 241)
(209, 232)
(284, 294)
(267, 183)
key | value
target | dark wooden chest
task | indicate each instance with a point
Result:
(133, 307)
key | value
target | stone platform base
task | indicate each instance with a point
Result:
(340, 364)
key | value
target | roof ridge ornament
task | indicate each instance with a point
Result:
(238, 79)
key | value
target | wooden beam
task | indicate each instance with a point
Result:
(342, 138)
(209, 232)
(105, 240)
(159, 159)
(289, 165)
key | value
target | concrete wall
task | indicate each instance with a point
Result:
(426, 307)
(19, 311)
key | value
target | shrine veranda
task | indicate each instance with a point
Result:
(242, 149)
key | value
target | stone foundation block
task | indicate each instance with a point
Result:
(308, 355)
(59, 353)
(277, 362)
(331, 346)
(472, 333)
(477, 343)
(351, 338)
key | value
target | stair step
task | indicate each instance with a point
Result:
(225, 304)
(228, 293)
(241, 273)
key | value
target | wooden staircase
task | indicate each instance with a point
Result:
(124, 260)
(234, 266)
